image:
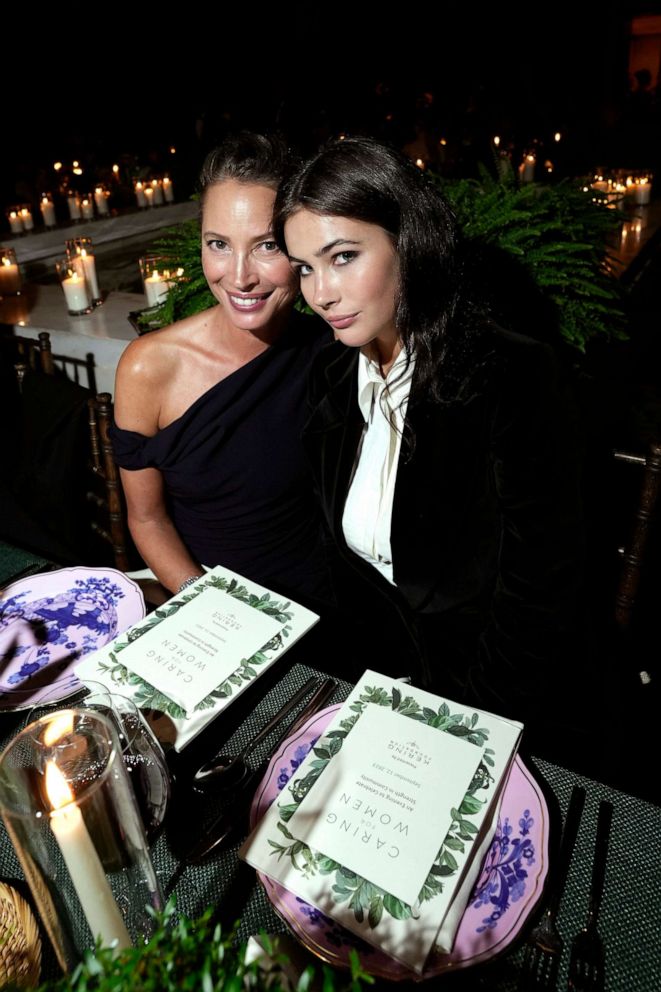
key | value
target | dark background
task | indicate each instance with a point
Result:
(129, 86)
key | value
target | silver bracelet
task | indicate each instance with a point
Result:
(189, 582)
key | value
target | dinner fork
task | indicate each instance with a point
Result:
(544, 945)
(586, 964)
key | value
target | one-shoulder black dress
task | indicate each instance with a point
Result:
(238, 486)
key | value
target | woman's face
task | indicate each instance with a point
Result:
(350, 275)
(247, 273)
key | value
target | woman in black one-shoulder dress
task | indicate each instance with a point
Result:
(209, 411)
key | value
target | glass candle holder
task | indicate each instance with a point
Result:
(66, 801)
(47, 210)
(83, 248)
(73, 203)
(168, 189)
(87, 207)
(101, 196)
(74, 285)
(26, 217)
(642, 190)
(14, 220)
(10, 274)
(141, 753)
(140, 197)
(155, 282)
(157, 187)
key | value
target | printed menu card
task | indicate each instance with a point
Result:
(387, 821)
(195, 654)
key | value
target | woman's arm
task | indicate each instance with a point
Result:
(152, 529)
(144, 372)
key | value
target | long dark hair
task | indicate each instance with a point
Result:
(365, 180)
(248, 157)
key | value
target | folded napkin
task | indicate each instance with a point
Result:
(391, 815)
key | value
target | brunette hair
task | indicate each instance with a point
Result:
(365, 180)
(247, 157)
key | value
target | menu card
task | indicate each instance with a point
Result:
(387, 821)
(194, 655)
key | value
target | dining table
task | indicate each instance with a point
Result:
(628, 921)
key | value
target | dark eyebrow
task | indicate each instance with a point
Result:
(324, 251)
(266, 236)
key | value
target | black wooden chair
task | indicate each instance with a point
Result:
(635, 553)
(110, 502)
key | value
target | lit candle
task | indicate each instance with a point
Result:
(168, 189)
(73, 201)
(156, 289)
(527, 169)
(642, 191)
(26, 217)
(87, 207)
(75, 292)
(48, 212)
(149, 196)
(15, 222)
(89, 264)
(158, 192)
(10, 278)
(83, 863)
(140, 195)
(101, 200)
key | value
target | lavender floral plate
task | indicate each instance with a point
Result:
(48, 622)
(508, 888)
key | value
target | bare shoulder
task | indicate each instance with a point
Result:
(148, 370)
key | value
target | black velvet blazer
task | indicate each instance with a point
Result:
(486, 535)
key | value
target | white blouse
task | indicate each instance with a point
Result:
(368, 508)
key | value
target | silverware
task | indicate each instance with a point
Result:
(225, 825)
(586, 964)
(225, 770)
(544, 945)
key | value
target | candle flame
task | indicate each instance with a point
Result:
(83, 252)
(180, 272)
(58, 792)
(557, 136)
(59, 726)
(13, 215)
(57, 166)
(496, 140)
(115, 168)
(5, 261)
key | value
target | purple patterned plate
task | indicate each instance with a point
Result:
(49, 621)
(507, 891)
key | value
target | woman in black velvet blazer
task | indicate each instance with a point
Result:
(485, 535)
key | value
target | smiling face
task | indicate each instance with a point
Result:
(247, 273)
(349, 275)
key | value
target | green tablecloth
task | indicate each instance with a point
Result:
(632, 899)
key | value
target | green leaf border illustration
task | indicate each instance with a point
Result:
(145, 695)
(368, 902)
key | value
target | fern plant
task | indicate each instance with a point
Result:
(559, 235)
